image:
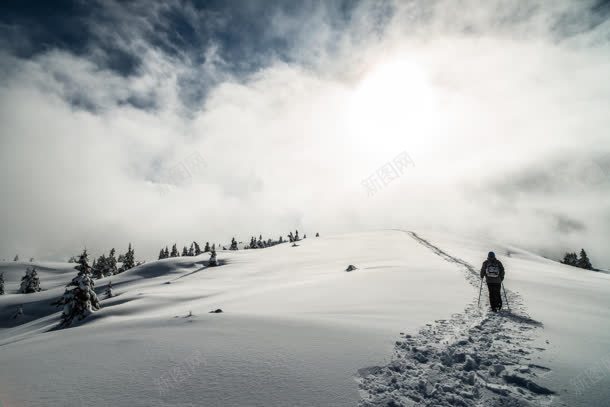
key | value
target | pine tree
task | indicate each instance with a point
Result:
(1, 283)
(185, 251)
(161, 254)
(191, 250)
(129, 259)
(291, 237)
(110, 268)
(174, 251)
(166, 253)
(80, 301)
(206, 249)
(213, 262)
(304, 236)
(108, 291)
(16, 258)
(99, 267)
(30, 283)
(570, 259)
(233, 244)
(583, 261)
(296, 236)
(214, 247)
(197, 249)
(281, 239)
(317, 234)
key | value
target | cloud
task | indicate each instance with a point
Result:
(291, 108)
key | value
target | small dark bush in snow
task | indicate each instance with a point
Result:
(216, 311)
(19, 312)
(351, 267)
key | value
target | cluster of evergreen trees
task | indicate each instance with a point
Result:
(261, 243)
(1, 283)
(193, 250)
(582, 261)
(106, 266)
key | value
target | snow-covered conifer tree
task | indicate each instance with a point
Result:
(233, 244)
(583, 261)
(30, 283)
(111, 264)
(207, 247)
(161, 254)
(108, 291)
(213, 262)
(128, 260)
(80, 301)
(197, 249)
(174, 251)
(191, 250)
(99, 267)
(571, 259)
(296, 236)
(16, 258)
(185, 251)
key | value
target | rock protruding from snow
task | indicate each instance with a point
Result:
(351, 267)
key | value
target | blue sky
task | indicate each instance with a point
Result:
(288, 107)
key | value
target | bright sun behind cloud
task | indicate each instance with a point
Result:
(394, 107)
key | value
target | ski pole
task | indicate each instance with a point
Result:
(480, 289)
(506, 297)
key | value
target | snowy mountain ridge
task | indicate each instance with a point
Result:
(296, 329)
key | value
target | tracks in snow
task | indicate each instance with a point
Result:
(473, 359)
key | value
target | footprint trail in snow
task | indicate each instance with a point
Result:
(476, 358)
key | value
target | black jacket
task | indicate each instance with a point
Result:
(492, 280)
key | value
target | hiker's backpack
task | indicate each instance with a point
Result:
(493, 270)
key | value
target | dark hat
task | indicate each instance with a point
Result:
(491, 255)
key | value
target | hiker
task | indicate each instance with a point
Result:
(493, 271)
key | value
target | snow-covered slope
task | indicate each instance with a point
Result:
(296, 328)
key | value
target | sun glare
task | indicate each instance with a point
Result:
(393, 104)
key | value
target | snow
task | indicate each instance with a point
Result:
(297, 329)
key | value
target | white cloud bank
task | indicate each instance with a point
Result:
(490, 100)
